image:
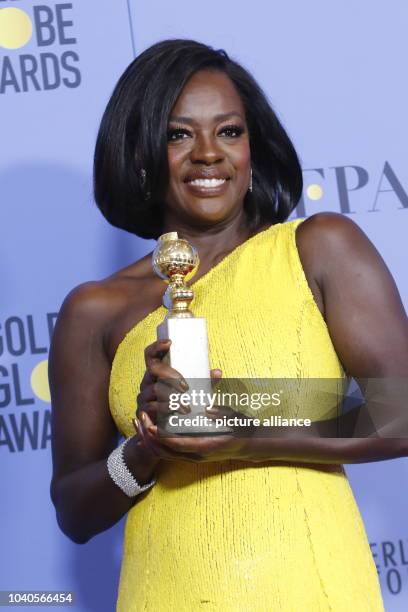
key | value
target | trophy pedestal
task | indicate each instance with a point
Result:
(188, 354)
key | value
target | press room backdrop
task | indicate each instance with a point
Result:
(336, 75)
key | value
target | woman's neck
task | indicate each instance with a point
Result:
(213, 243)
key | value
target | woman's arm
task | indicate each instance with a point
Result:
(367, 324)
(369, 330)
(86, 499)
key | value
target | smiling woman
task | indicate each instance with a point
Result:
(154, 129)
(209, 155)
(189, 143)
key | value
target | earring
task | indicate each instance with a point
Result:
(250, 182)
(143, 180)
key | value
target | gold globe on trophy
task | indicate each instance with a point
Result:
(176, 261)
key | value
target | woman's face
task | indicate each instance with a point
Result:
(208, 152)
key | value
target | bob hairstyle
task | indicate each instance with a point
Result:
(130, 164)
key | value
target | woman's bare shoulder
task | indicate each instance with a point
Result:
(325, 237)
(326, 228)
(103, 297)
(111, 306)
(98, 302)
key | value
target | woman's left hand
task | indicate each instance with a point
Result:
(191, 448)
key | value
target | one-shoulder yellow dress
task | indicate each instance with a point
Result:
(240, 536)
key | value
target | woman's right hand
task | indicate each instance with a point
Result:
(160, 380)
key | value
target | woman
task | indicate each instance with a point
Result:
(189, 143)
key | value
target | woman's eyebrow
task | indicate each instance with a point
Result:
(220, 117)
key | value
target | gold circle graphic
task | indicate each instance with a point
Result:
(16, 28)
(39, 381)
(314, 192)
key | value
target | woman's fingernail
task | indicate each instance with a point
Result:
(213, 411)
(183, 384)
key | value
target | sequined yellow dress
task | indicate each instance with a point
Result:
(239, 536)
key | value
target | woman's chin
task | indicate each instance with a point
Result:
(205, 212)
(208, 215)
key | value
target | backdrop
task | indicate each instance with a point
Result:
(335, 72)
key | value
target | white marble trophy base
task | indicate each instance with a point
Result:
(188, 355)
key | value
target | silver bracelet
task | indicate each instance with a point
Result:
(122, 476)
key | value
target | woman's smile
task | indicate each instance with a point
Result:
(207, 187)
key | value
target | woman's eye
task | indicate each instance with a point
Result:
(232, 131)
(176, 134)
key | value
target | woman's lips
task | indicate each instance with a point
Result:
(207, 188)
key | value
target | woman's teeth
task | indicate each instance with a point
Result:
(207, 182)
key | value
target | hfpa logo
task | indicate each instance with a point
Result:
(351, 189)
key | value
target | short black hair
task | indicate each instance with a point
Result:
(133, 136)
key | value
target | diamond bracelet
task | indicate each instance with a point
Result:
(122, 476)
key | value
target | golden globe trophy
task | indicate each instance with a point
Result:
(176, 261)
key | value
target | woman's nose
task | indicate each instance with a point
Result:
(206, 150)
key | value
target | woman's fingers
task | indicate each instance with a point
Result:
(157, 369)
(159, 382)
(148, 379)
(147, 422)
(156, 351)
(155, 399)
(216, 374)
(155, 443)
(187, 448)
(159, 391)
(166, 374)
(152, 408)
(154, 354)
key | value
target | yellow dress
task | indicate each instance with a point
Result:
(238, 536)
